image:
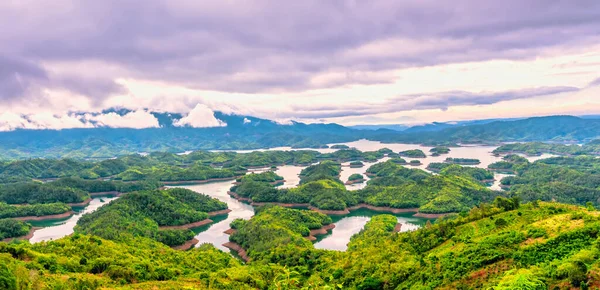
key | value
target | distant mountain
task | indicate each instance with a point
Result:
(438, 126)
(552, 128)
(241, 132)
(394, 127)
(435, 126)
(246, 132)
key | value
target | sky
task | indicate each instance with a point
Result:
(62, 62)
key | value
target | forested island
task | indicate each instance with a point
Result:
(414, 153)
(462, 161)
(437, 151)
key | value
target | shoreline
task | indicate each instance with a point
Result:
(187, 226)
(236, 247)
(219, 212)
(431, 215)
(80, 204)
(350, 182)
(320, 231)
(45, 217)
(187, 245)
(22, 238)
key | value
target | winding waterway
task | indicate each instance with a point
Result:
(56, 229)
(336, 239)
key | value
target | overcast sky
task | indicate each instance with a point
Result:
(349, 62)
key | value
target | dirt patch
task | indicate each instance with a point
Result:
(46, 217)
(188, 245)
(236, 247)
(219, 212)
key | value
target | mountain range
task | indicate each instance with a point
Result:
(247, 132)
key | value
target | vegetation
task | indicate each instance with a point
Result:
(415, 153)
(541, 234)
(498, 245)
(11, 211)
(10, 228)
(142, 213)
(398, 160)
(339, 146)
(440, 150)
(437, 166)
(356, 176)
(37, 192)
(462, 161)
(278, 234)
(356, 164)
(324, 170)
(538, 148)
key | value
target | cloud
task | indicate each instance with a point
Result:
(136, 119)
(11, 121)
(200, 117)
(232, 47)
(595, 82)
(441, 100)
(247, 121)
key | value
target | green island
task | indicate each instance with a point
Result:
(162, 215)
(414, 153)
(398, 160)
(438, 150)
(356, 164)
(339, 146)
(11, 228)
(355, 178)
(462, 161)
(32, 210)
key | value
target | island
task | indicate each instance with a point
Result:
(355, 178)
(415, 153)
(356, 164)
(462, 161)
(436, 151)
(339, 146)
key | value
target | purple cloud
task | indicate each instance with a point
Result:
(268, 45)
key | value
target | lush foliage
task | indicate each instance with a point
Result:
(11, 211)
(143, 213)
(414, 153)
(440, 150)
(277, 234)
(37, 192)
(10, 228)
(462, 160)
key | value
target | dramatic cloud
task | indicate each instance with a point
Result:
(290, 59)
(200, 117)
